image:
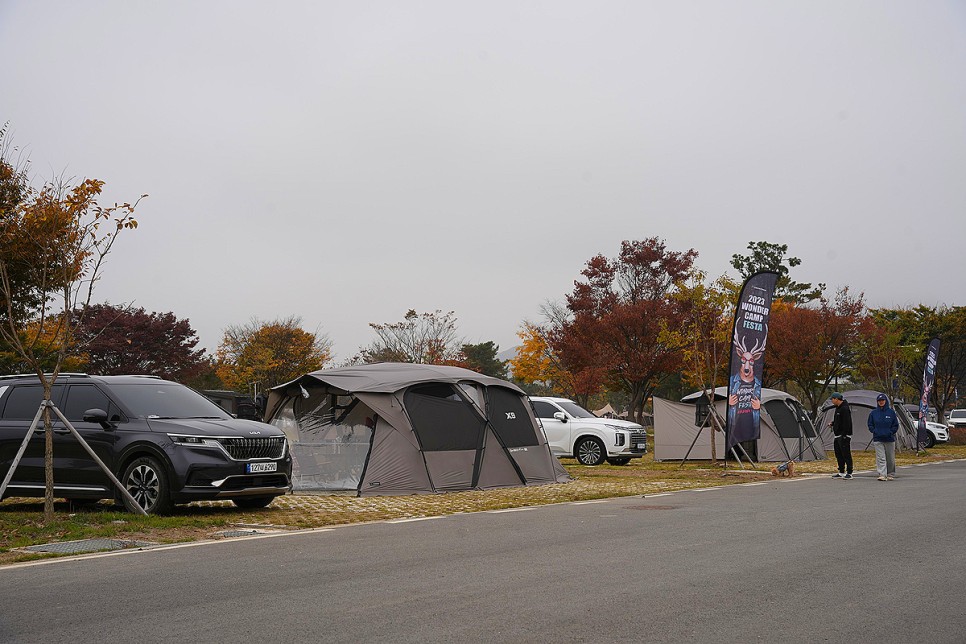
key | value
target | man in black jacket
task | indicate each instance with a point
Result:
(842, 429)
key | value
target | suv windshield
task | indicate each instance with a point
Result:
(166, 400)
(575, 410)
(958, 413)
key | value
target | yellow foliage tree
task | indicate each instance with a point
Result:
(704, 332)
(260, 355)
(535, 362)
(53, 243)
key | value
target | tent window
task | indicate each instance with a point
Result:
(784, 418)
(803, 419)
(442, 420)
(330, 437)
(510, 419)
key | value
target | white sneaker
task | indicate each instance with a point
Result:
(838, 475)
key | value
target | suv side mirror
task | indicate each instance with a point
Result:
(559, 415)
(98, 416)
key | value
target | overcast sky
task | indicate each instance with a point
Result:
(347, 161)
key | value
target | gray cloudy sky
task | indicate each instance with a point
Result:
(347, 161)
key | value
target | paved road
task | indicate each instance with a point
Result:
(809, 560)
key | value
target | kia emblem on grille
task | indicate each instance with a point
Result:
(254, 432)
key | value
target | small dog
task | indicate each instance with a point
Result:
(784, 469)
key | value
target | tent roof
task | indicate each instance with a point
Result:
(606, 409)
(389, 377)
(864, 397)
(721, 393)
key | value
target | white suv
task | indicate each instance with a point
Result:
(935, 432)
(572, 431)
(956, 418)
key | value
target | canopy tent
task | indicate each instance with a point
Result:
(862, 402)
(390, 428)
(786, 433)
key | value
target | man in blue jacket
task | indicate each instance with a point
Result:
(884, 424)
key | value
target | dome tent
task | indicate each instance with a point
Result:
(786, 433)
(862, 402)
(392, 428)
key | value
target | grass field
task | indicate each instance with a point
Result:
(21, 519)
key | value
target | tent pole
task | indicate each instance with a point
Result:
(750, 461)
(695, 441)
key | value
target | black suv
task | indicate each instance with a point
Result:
(165, 442)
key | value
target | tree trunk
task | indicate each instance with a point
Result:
(48, 459)
(636, 403)
(713, 424)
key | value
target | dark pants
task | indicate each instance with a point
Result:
(843, 453)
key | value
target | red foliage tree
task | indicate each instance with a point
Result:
(120, 340)
(617, 318)
(814, 347)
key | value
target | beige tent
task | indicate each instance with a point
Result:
(786, 433)
(390, 428)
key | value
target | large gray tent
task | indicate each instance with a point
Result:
(389, 428)
(786, 433)
(862, 402)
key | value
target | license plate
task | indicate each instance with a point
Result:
(254, 468)
(642, 446)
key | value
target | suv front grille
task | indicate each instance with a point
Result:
(246, 449)
(638, 437)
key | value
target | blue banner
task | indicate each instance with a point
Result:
(748, 358)
(928, 380)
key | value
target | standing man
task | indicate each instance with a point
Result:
(842, 429)
(884, 424)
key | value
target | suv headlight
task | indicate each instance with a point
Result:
(193, 441)
(620, 436)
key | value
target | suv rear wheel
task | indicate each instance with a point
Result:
(589, 451)
(145, 479)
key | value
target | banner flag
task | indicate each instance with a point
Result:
(748, 358)
(928, 380)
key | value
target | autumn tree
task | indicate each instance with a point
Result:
(420, 338)
(618, 313)
(704, 333)
(880, 355)
(814, 347)
(536, 366)
(54, 241)
(766, 256)
(916, 326)
(125, 340)
(259, 355)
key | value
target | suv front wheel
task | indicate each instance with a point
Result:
(589, 451)
(145, 480)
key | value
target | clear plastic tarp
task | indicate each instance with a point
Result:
(330, 436)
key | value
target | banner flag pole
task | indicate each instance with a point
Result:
(928, 380)
(747, 361)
